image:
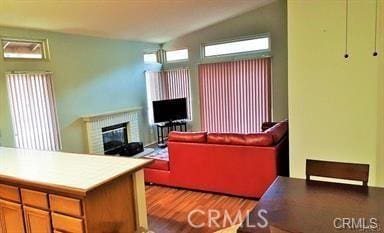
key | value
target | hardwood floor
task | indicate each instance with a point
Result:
(168, 210)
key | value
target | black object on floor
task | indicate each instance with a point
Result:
(132, 149)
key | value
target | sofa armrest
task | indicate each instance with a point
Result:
(267, 125)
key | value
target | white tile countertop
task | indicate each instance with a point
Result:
(79, 172)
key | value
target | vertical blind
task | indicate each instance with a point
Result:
(168, 84)
(235, 96)
(33, 109)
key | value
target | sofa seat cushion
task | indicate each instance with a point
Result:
(194, 137)
(159, 164)
(257, 139)
(278, 131)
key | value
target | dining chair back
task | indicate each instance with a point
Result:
(346, 171)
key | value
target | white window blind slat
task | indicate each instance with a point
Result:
(235, 96)
(168, 84)
(33, 108)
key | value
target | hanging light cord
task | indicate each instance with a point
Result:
(377, 7)
(346, 55)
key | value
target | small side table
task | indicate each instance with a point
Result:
(169, 126)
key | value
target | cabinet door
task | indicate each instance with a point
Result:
(11, 217)
(37, 221)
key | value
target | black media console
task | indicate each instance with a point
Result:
(169, 126)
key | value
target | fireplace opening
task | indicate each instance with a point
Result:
(114, 138)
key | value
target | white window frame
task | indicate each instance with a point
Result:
(151, 53)
(44, 43)
(247, 53)
(176, 61)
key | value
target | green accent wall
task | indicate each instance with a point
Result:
(91, 76)
(272, 19)
(335, 104)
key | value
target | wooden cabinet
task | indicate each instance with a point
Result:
(37, 221)
(110, 207)
(11, 217)
(43, 212)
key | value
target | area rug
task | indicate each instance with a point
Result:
(161, 154)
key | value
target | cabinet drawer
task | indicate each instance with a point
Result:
(34, 198)
(65, 205)
(9, 193)
(67, 224)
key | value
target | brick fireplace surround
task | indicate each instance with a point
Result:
(95, 123)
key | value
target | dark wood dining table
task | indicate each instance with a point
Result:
(299, 205)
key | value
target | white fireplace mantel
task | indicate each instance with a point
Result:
(101, 116)
(95, 124)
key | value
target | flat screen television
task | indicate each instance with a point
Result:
(170, 110)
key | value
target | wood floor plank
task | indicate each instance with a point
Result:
(168, 209)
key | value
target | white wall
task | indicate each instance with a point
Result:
(335, 105)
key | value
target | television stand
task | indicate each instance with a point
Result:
(169, 126)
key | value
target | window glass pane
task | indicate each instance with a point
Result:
(177, 55)
(23, 49)
(35, 126)
(150, 58)
(258, 44)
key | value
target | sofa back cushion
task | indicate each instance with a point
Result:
(257, 139)
(278, 131)
(194, 137)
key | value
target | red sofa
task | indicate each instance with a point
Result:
(236, 164)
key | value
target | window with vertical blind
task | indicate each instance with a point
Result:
(33, 109)
(235, 96)
(168, 84)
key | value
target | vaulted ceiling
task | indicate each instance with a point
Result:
(144, 20)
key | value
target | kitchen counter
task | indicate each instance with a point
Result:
(96, 182)
(76, 172)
